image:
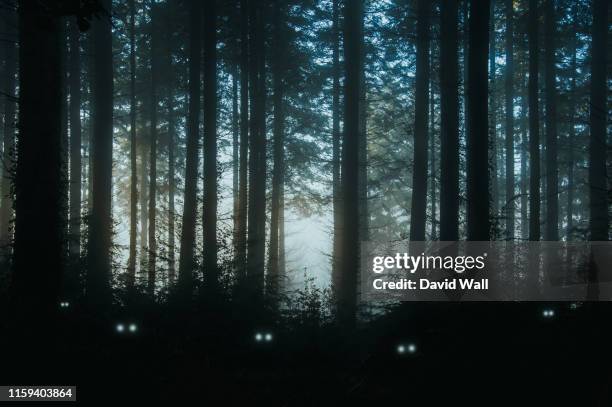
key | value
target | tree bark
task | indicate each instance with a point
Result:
(353, 39)
(552, 169)
(152, 263)
(421, 105)
(186, 258)
(599, 202)
(131, 268)
(336, 136)
(211, 272)
(478, 137)
(509, 89)
(449, 113)
(534, 124)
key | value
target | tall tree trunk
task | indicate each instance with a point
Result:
(524, 180)
(171, 189)
(186, 258)
(364, 215)
(552, 169)
(509, 89)
(493, 144)
(210, 145)
(257, 164)
(131, 268)
(38, 228)
(235, 157)
(74, 240)
(6, 205)
(241, 216)
(449, 119)
(100, 226)
(421, 105)
(432, 155)
(599, 207)
(336, 187)
(65, 185)
(144, 201)
(152, 263)
(534, 124)
(274, 277)
(478, 143)
(572, 129)
(353, 39)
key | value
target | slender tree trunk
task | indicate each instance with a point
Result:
(449, 119)
(552, 169)
(100, 227)
(186, 258)
(65, 184)
(534, 124)
(211, 271)
(171, 190)
(353, 39)
(37, 258)
(478, 143)
(600, 205)
(151, 270)
(572, 131)
(278, 149)
(241, 217)
(421, 104)
(336, 187)
(6, 206)
(364, 215)
(131, 268)
(493, 157)
(144, 201)
(235, 157)
(524, 180)
(432, 155)
(74, 240)
(257, 165)
(509, 89)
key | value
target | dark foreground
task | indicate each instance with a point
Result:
(490, 354)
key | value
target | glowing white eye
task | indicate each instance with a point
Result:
(548, 313)
(120, 328)
(133, 328)
(411, 348)
(258, 337)
(401, 349)
(268, 337)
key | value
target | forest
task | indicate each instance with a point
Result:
(186, 186)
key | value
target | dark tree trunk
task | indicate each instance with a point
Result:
(534, 124)
(100, 225)
(432, 155)
(552, 183)
(572, 130)
(274, 277)
(336, 187)
(421, 105)
(210, 145)
(235, 158)
(364, 215)
(152, 263)
(131, 268)
(186, 258)
(599, 207)
(509, 89)
(493, 144)
(257, 164)
(449, 113)
(524, 177)
(353, 39)
(171, 190)
(38, 228)
(74, 240)
(241, 216)
(477, 142)
(6, 206)
(65, 182)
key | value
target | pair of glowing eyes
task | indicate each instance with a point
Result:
(409, 348)
(64, 304)
(130, 327)
(260, 337)
(548, 313)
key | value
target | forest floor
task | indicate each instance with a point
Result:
(490, 353)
